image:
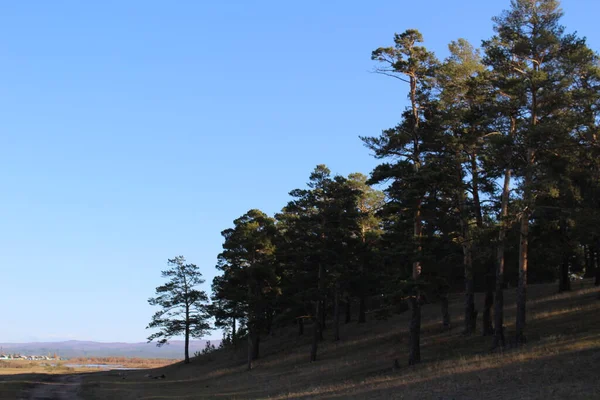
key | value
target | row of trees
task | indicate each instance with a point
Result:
(495, 161)
(312, 258)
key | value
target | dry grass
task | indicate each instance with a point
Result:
(16, 364)
(560, 361)
(126, 362)
(13, 367)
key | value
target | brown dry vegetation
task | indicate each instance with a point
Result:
(17, 364)
(560, 361)
(20, 367)
(128, 362)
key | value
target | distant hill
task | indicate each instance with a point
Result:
(75, 348)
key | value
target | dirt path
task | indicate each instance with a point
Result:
(59, 387)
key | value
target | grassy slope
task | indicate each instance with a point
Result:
(561, 360)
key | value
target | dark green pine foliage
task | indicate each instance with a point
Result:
(365, 278)
(569, 199)
(249, 286)
(588, 171)
(294, 257)
(225, 308)
(183, 306)
(321, 235)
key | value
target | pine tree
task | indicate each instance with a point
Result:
(248, 264)
(323, 222)
(532, 49)
(462, 93)
(183, 306)
(406, 144)
(370, 202)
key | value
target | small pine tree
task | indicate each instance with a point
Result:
(183, 307)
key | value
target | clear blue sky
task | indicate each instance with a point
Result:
(135, 131)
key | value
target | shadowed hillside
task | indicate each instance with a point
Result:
(560, 360)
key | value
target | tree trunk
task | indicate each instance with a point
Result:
(522, 284)
(233, 334)
(250, 351)
(255, 345)
(269, 323)
(414, 355)
(526, 213)
(593, 254)
(362, 293)
(252, 329)
(322, 325)
(336, 313)
(499, 300)
(523, 251)
(187, 334)
(564, 282)
(317, 331)
(589, 261)
(470, 313)
(475, 188)
(348, 314)
(362, 309)
(467, 247)
(597, 264)
(445, 311)
(488, 328)
(300, 326)
(586, 259)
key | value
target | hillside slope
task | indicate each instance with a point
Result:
(561, 360)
